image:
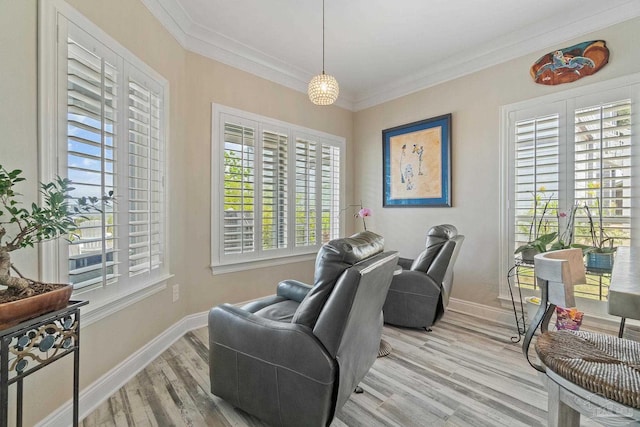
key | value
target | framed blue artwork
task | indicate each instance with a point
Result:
(417, 164)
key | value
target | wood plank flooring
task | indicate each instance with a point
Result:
(464, 373)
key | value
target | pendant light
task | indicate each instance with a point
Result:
(323, 88)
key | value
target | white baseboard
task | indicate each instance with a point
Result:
(505, 316)
(498, 315)
(96, 393)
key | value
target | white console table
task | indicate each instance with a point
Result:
(624, 291)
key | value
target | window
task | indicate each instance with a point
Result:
(603, 173)
(566, 152)
(537, 152)
(110, 111)
(277, 188)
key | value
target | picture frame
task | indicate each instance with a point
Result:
(417, 164)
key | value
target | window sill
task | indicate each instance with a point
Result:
(252, 265)
(97, 310)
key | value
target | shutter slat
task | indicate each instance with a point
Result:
(305, 190)
(91, 83)
(238, 200)
(603, 169)
(274, 190)
(146, 221)
(536, 173)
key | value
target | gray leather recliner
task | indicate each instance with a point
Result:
(293, 359)
(419, 294)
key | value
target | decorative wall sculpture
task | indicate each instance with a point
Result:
(570, 63)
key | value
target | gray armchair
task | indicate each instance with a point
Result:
(293, 359)
(419, 295)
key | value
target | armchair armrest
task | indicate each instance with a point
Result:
(414, 282)
(293, 290)
(405, 263)
(261, 303)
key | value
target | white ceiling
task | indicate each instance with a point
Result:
(379, 49)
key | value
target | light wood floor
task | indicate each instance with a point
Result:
(464, 373)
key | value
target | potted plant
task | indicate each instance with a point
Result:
(20, 297)
(600, 252)
(539, 237)
(565, 237)
(362, 213)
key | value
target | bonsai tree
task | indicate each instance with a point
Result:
(21, 227)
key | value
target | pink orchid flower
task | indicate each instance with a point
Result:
(364, 212)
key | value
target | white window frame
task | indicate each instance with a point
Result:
(624, 87)
(221, 263)
(104, 299)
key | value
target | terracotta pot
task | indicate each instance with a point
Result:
(12, 313)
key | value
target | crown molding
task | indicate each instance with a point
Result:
(216, 46)
(522, 42)
(203, 41)
(211, 44)
(172, 17)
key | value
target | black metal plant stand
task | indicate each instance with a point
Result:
(512, 274)
(513, 279)
(33, 344)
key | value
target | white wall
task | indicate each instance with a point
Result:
(215, 82)
(474, 101)
(18, 137)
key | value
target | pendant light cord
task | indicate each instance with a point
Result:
(322, 36)
(323, 88)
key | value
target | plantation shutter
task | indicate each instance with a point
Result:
(603, 170)
(239, 186)
(277, 189)
(274, 189)
(330, 192)
(145, 198)
(305, 192)
(536, 176)
(104, 131)
(93, 80)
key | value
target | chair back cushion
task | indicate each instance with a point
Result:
(333, 259)
(350, 323)
(437, 237)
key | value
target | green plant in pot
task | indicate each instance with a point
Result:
(22, 227)
(600, 252)
(539, 236)
(566, 234)
(536, 246)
